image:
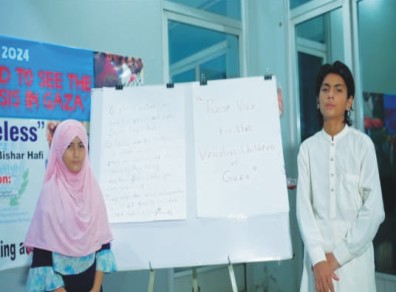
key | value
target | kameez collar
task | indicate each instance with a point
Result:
(335, 138)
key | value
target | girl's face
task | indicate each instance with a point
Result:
(74, 155)
(333, 98)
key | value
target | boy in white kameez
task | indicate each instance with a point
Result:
(339, 199)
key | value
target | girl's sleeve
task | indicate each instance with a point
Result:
(42, 276)
(105, 260)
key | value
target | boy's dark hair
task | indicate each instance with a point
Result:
(342, 70)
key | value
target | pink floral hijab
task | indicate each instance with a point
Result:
(70, 216)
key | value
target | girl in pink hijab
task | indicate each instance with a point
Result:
(69, 233)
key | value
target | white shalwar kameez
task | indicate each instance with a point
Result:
(339, 207)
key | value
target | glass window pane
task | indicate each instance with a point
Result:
(377, 65)
(212, 54)
(313, 30)
(296, 3)
(213, 69)
(228, 8)
(184, 76)
(309, 67)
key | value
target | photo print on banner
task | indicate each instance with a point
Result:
(113, 70)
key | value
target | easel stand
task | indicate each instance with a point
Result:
(232, 276)
(195, 280)
(151, 280)
(195, 287)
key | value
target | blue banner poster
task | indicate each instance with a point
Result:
(23, 152)
(43, 81)
(40, 85)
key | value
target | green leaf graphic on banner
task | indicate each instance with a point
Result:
(25, 180)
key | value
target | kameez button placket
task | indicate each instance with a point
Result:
(332, 183)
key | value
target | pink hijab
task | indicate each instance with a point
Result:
(70, 216)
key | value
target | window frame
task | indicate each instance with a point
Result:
(191, 16)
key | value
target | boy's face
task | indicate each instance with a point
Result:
(333, 98)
